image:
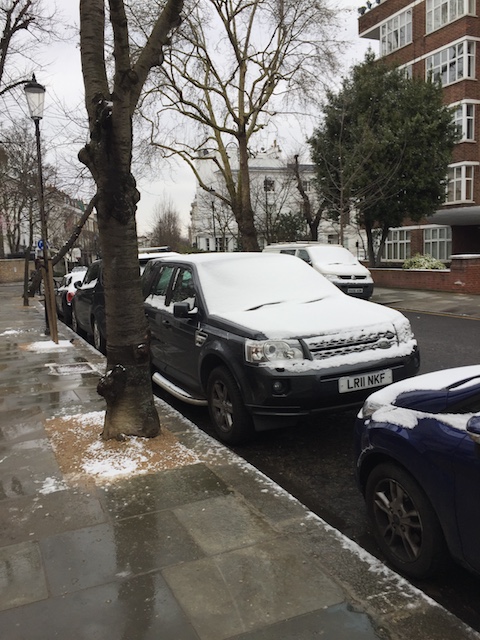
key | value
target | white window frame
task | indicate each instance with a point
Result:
(464, 120)
(442, 12)
(460, 182)
(397, 245)
(437, 242)
(396, 32)
(453, 63)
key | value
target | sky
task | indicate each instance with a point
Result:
(61, 75)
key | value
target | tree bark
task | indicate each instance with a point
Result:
(244, 213)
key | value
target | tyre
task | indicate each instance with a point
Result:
(231, 420)
(405, 525)
(98, 339)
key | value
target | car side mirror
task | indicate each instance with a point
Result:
(182, 310)
(77, 284)
(473, 429)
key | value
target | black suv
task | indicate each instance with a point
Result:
(266, 341)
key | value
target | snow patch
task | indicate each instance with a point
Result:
(48, 345)
(51, 485)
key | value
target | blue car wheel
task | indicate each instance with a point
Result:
(405, 525)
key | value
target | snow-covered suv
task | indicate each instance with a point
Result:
(266, 341)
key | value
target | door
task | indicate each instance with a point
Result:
(467, 481)
(155, 310)
(181, 336)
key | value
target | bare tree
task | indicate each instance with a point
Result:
(166, 227)
(312, 214)
(228, 74)
(111, 103)
(22, 23)
(18, 192)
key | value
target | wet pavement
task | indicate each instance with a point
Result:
(208, 551)
(462, 305)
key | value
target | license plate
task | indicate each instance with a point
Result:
(365, 381)
(355, 290)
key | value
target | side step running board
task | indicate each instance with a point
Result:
(177, 392)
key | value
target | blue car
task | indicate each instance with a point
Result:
(417, 446)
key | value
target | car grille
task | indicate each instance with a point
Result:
(337, 344)
(352, 277)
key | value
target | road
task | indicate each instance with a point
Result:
(315, 463)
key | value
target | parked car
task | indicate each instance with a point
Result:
(266, 341)
(65, 292)
(88, 307)
(88, 311)
(147, 253)
(334, 262)
(418, 465)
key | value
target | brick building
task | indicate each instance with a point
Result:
(439, 38)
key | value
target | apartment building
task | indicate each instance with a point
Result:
(439, 38)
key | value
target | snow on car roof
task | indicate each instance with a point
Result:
(264, 291)
(239, 281)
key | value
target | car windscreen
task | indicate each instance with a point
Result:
(253, 281)
(332, 255)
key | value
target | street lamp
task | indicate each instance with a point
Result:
(35, 94)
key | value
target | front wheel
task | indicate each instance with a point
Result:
(231, 420)
(405, 525)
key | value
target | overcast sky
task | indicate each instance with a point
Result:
(63, 80)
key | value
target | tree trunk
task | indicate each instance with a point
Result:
(370, 248)
(127, 386)
(244, 213)
(26, 275)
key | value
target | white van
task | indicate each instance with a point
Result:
(334, 262)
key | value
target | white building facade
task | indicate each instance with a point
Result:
(276, 201)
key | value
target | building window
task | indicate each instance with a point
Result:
(437, 242)
(396, 32)
(207, 244)
(464, 119)
(460, 183)
(441, 12)
(306, 185)
(453, 63)
(397, 245)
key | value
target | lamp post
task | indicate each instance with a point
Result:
(35, 94)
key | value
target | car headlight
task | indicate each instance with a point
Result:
(273, 350)
(403, 329)
(369, 408)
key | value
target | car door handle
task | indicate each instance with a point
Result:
(167, 324)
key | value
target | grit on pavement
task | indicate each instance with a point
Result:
(204, 547)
